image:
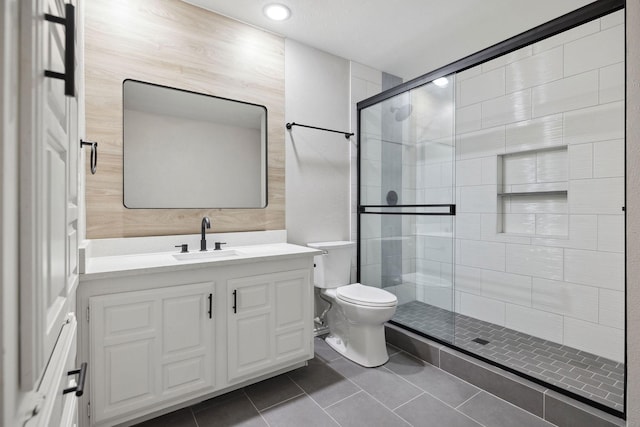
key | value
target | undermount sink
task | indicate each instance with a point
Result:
(222, 253)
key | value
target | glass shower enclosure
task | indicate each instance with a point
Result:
(491, 203)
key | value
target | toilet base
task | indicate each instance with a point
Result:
(367, 348)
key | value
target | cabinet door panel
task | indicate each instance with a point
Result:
(182, 323)
(129, 372)
(149, 347)
(272, 323)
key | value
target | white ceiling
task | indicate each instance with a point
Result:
(407, 38)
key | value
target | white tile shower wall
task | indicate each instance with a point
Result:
(566, 92)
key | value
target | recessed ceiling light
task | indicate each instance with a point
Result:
(441, 82)
(277, 12)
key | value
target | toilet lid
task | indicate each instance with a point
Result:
(366, 295)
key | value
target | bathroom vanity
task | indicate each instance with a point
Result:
(162, 330)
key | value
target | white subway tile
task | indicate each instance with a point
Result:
(438, 249)
(612, 19)
(612, 83)
(370, 226)
(519, 223)
(469, 172)
(492, 231)
(440, 296)
(467, 74)
(486, 309)
(510, 108)
(601, 269)
(538, 323)
(580, 161)
(611, 233)
(533, 134)
(489, 255)
(468, 118)
(489, 170)
(567, 36)
(612, 308)
(374, 251)
(468, 279)
(457, 298)
(601, 123)
(608, 159)
(571, 93)
(535, 261)
(482, 143)
(506, 287)
(507, 58)
(539, 204)
(371, 275)
(468, 226)
(482, 87)
(597, 339)
(478, 199)
(552, 225)
(438, 195)
(596, 196)
(543, 186)
(552, 165)
(566, 298)
(594, 51)
(519, 168)
(582, 234)
(538, 69)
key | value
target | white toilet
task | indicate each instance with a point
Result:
(356, 319)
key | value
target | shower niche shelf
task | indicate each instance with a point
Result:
(532, 193)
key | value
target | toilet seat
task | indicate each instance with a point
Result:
(366, 296)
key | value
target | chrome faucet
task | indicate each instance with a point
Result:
(206, 223)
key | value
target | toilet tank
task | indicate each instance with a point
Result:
(333, 268)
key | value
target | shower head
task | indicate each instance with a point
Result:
(402, 113)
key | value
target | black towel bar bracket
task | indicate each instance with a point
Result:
(69, 23)
(346, 134)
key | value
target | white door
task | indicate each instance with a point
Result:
(150, 348)
(48, 207)
(269, 322)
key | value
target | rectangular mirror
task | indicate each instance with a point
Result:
(185, 149)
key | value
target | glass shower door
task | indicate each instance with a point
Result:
(407, 204)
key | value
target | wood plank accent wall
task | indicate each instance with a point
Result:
(172, 43)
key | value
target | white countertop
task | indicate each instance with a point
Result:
(144, 263)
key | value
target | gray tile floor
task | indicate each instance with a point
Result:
(594, 377)
(333, 391)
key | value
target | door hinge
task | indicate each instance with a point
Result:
(87, 314)
(88, 409)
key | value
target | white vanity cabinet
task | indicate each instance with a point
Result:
(148, 347)
(268, 322)
(161, 333)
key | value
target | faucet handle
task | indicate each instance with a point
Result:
(218, 245)
(184, 248)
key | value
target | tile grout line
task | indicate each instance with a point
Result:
(341, 400)
(479, 391)
(371, 396)
(193, 415)
(254, 407)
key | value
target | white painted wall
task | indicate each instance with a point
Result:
(633, 212)
(317, 162)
